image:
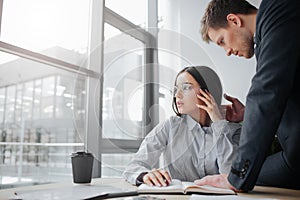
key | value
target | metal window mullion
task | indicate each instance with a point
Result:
(126, 26)
(151, 95)
(93, 123)
(24, 53)
(1, 8)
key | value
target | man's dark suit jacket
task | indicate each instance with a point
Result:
(273, 102)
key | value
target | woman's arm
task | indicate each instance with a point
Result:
(226, 136)
(148, 154)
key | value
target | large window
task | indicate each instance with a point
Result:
(128, 53)
(43, 85)
(37, 115)
(74, 75)
(93, 75)
(123, 86)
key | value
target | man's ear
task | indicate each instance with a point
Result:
(234, 20)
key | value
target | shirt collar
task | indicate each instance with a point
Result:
(191, 124)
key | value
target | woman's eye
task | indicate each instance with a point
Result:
(187, 87)
(221, 42)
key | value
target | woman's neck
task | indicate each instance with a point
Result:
(202, 118)
(204, 121)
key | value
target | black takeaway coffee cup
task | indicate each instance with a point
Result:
(82, 167)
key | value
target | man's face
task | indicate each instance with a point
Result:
(235, 40)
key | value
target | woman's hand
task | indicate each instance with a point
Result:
(157, 177)
(210, 105)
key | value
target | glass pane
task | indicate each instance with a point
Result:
(44, 109)
(2, 104)
(47, 104)
(123, 88)
(110, 31)
(52, 27)
(10, 104)
(133, 10)
(113, 165)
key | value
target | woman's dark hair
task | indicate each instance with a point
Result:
(197, 76)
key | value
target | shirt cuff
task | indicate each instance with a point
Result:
(218, 126)
(139, 179)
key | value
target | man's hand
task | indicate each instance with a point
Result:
(219, 180)
(234, 111)
(157, 177)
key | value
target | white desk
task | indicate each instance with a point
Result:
(258, 192)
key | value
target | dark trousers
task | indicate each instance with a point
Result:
(276, 172)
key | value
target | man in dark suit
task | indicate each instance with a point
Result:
(273, 103)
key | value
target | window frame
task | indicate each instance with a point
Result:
(100, 15)
(150, 90)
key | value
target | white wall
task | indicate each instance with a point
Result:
(183, 17)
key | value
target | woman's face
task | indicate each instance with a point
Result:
(185, 91)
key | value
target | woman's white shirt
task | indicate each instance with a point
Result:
(189, 151)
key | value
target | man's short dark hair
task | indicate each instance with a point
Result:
(215, 15)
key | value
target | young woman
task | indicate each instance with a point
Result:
(194, 143)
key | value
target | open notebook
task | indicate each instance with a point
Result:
(183, 188)
(105, 191)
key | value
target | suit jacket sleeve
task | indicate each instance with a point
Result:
(277, 53)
